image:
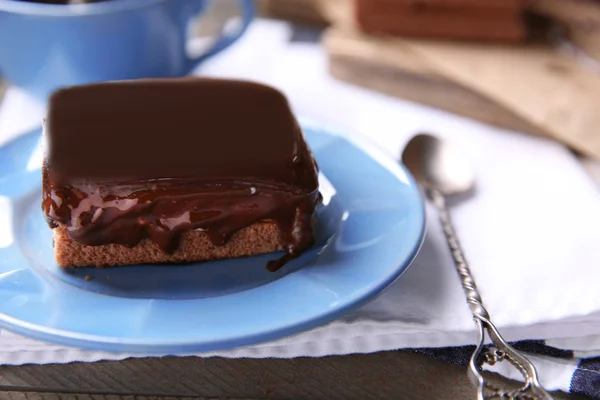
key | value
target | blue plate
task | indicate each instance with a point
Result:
(370, 228)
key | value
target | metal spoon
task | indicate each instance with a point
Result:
(444, 172)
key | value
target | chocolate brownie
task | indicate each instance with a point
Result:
(176, 170)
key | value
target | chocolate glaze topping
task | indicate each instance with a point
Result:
(151, 159)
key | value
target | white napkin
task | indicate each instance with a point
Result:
(530, 232)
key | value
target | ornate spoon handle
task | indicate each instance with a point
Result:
(531, 390)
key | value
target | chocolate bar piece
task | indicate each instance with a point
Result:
(175, 170)
(439, 19)
(465, 5)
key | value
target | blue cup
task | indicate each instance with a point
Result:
(47, 46)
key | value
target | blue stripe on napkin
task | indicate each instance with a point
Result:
(540, 347)
(586, 379)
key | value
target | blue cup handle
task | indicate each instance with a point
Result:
(224, 40)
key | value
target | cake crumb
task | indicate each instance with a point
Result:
(88, 278)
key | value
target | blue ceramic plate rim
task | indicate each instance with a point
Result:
(166, 346)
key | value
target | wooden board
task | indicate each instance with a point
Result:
(353, 61)
(526, 88)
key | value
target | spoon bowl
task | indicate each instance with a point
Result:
(437, 164)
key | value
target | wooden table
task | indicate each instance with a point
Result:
(396, 375)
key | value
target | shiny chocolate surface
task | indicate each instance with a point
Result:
(150, 159)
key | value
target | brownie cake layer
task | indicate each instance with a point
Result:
(258, 238)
